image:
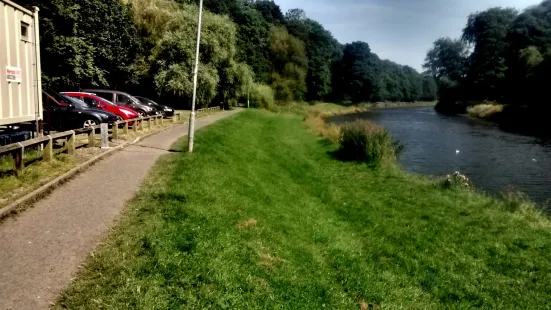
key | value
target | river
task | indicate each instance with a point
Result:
(493, 159)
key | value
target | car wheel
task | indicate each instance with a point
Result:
(90, 123)
(141, 113)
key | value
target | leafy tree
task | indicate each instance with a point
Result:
(529, 39)
(253, 30)
(322, 51)
(358, 69)
(447, 62)
(429, 88)
(290, 65)
(270, 11)
(87, 43)
(362, 76)
(487, 31)
(253, 42)
(172, 34)
(226, 7)
(510, 63)
(447, 58)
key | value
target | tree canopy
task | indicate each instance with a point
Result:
(87, 42)
(147, 47)
(509, 58)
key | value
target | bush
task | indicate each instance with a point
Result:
(485, 110)
(456, 180)
(262, 96)
(362, 140)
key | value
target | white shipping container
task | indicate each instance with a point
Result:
(20, 82)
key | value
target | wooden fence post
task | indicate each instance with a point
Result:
(125, 128)
(140, 126)
(104, 135)
(136, 125)
(115, 131)
(92, 138)
(149, 124)
(71, 147)
(48, 150)
(161, 120)
(18, 157)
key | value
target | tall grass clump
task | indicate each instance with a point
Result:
(316, 120)
(362, 140)
(485, 110)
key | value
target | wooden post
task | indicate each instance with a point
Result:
(161, 121)
(115, 131)
(48, 150)
(125, 128)
(104, 127)
(92, 138)
(18, 157)
(140, 126)
(148, 124)
(71, 147)
(136, 125)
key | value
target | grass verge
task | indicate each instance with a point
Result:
(263, 216)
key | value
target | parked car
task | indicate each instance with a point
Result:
(167, 111)
(125, 99)
(94, 101)
(62, 112)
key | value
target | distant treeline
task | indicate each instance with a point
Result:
(247, 47)
(503, 56)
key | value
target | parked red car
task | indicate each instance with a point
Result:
(123, 113)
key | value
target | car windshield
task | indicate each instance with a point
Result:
(74, 101)
(147, 101)
(134, 100)
(107, 102)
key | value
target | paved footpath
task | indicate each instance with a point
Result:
(41, 249)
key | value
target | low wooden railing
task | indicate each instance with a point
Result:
(17, 150)
(208, 110)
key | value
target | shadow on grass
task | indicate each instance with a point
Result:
(170, 197)
(7, 173)
(342, 156)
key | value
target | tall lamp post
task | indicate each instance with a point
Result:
(191, 134)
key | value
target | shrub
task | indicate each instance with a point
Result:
(485, 110)
(262, 96)
(362, 140)
(456, 180)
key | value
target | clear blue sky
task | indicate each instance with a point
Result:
(400, 30)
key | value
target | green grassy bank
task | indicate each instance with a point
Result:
(263, 217)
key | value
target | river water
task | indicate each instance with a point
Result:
(437, 144)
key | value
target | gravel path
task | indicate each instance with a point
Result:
(41, 249)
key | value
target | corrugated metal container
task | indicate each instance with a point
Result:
(20, 89)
